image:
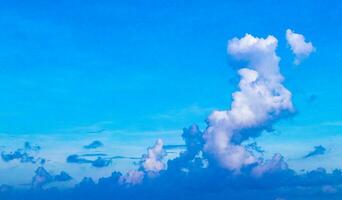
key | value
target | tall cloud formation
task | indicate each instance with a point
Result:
(261, 100)
(299, 47)
(150, 164)
(215, 163)
(153, 160)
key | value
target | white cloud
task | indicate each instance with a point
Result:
(299, 47)
(277, 163)
(132, 177)
(261, 100)
(151, 164)
(153, 160)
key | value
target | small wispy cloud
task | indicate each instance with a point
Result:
(93, 145)
(99, 162)
(318, 150)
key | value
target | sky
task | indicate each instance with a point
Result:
(126, 73)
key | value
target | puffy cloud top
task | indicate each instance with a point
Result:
(261, 100)
(151, 164)
(299, 47)
(153, 160)
(43, 177)
(216, 155)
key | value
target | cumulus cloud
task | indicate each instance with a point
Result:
(318, 150)
(151, 164)
(261, 100)
(93, 145)
(43, 177)
(63, 176)
(300, 48)
(193, 138)
(216, 162)
(270, 180)
(132, 177)
(153, 160)
(212, 182)
(277, 163)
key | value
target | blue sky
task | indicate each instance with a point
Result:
(129, 72)
(71, 64)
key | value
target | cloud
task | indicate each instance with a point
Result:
(63, 176)
(74, 158)
(93, 154)
(153, 160)
(254, 147)
(277, 163)
(151, 164)
(273, 180)
(133, 177)
(43, 177)
(318, 150)
(126, 157)
(186, 177)
(33, 147)
(99, 162)
(95, 144)
(23, 155)
(216, 163)
(299, 47)
(102, 160)
(260, 101)
(193, 138)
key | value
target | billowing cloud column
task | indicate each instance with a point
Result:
(153, 160)
(261, 100)
(151, 164)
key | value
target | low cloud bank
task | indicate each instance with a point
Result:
(192, 175)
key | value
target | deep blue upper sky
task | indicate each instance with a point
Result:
(150, 65)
